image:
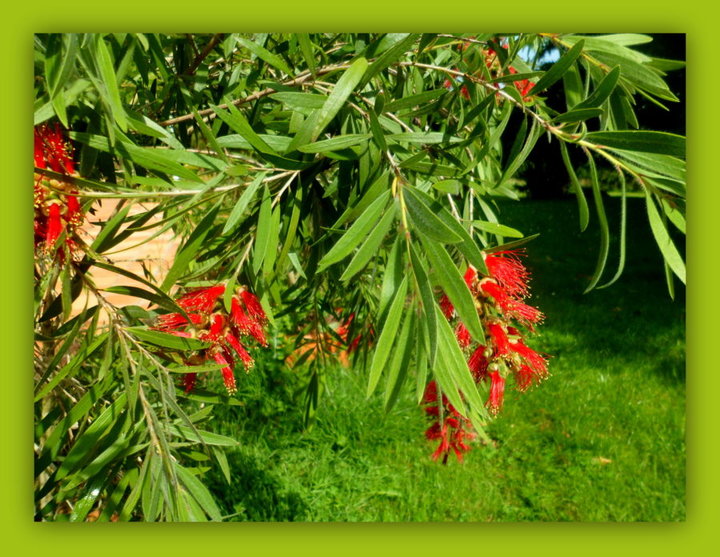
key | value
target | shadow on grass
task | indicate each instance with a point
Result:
(633, 321)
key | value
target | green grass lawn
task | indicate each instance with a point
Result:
(602, 439)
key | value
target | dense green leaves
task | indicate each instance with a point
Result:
(347, 180)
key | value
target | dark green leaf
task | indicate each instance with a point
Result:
(426, 220)
(387, 336)
(238, 215)
(667, 247)
(558, 69)
(166, 340)
(643, 141)
(273, 59)
(453, 284)
(369, 247)
(602, 91)
(355, 234)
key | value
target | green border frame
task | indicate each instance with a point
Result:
(377, 15)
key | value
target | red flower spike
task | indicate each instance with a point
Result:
(478, 364)
(462, 335)
(499, 339)
(240, 349)
(446, 307)
(52, 151)
(253, 306)
(227, 373)
(201, 300)
(470, 276)
(497, 390)
(54, 225)
(189, 381)
(534, 360)
(506, 268)
(524, 377)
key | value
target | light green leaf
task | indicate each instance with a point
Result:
(355, 234)
(558, 69)
(453, 284)
(369, 247)
(426, 220)
(667, 247)
(387, 336)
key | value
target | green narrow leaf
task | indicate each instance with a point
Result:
(467, 246)
(306, 47)
(603, 90)
(262, 234)
(314, 126)
(66, 292)
(191, 247)
(387, 336)
(495, 228)
(640, 140)
(107, 73)
(404, 42)
(239, 124)
(89, 438)
(426, 221)
(604, 230)
(662, 238)
(335, 143)
(166, 340)
(355, 234)
(578, 115)
(582, 202)
(273, 59)
(299, 101)
(623, 227)
(427, 298)
(453, 284)
(454, 377)
(558, 69)
(370, 246)
(400, 362)
(200, 436)
(516, 162)
(271, 247)
(78, 359)
(237, 215)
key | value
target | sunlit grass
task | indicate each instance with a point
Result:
(602, 439)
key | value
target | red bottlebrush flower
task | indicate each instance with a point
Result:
(57, 208)
(506, 268)
(52, 151)
(497, 391)
(189, 381)
(534, 360)
(201, 300)
(524, 377)
(478, 363)
(54, 225)
(463, 335)
(452, 432)
(254, 308)
(446, 307)
(211, 323)
(499, 339)
(227, 373)
(240, 349)
(470, 276)
(511, 307)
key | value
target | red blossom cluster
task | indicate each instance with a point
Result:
(208, 321)
(57, 208)
(524, 86)
(500, 301)
(452, 428)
